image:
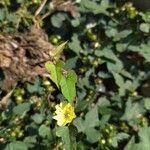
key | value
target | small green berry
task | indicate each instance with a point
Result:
(103, 141)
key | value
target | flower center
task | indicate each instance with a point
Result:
(66, 115)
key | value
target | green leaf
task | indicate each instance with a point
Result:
(104, 120)
(122, 34)
(57, 19)
(80, 124)
(16, 145)
(92, 134)
(115, 65)
(36, 87)
(143, 50)
(45, 132)
(95, 7)
(145, 27)
(132, 110)
(119, 137)
(67, 84)
(21, 109)
(81, 106)
(111, 32)
(145, 16)
(75, 22)
(3, 13)
(30, 141)
(88, 125)
(92, 115)
(37, 118)
(70, 63)
(104, 105)
(118, 79)
(144, 134)
(55, 71)
(130, 144)
(12, 18)
(147, 103)
(74, 45)
(64, 133)
(83, 125)
(121, 47)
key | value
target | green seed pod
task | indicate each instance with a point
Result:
(93, 37)
(88, 99)
(111, 14)
(117, 11)
(95, 63)
(91, 92)
(134, 94)
(98, 81)
(20, 134)
(46, 83)
(50, 89)
(22, 91)
(106, 130)
(109, 141)
(9, 130)
(38, 104)
(111, 128)
(13, 134)
(82, 70)
(123, 8)
(96, 45)
(54, 41)
(19, 99)
(103, 141)
(58, 37)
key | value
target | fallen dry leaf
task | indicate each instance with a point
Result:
(22, 56)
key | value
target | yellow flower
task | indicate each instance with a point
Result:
(64, 113)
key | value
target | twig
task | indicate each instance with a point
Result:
(6, 100)
(40, 8)
(47, 14)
